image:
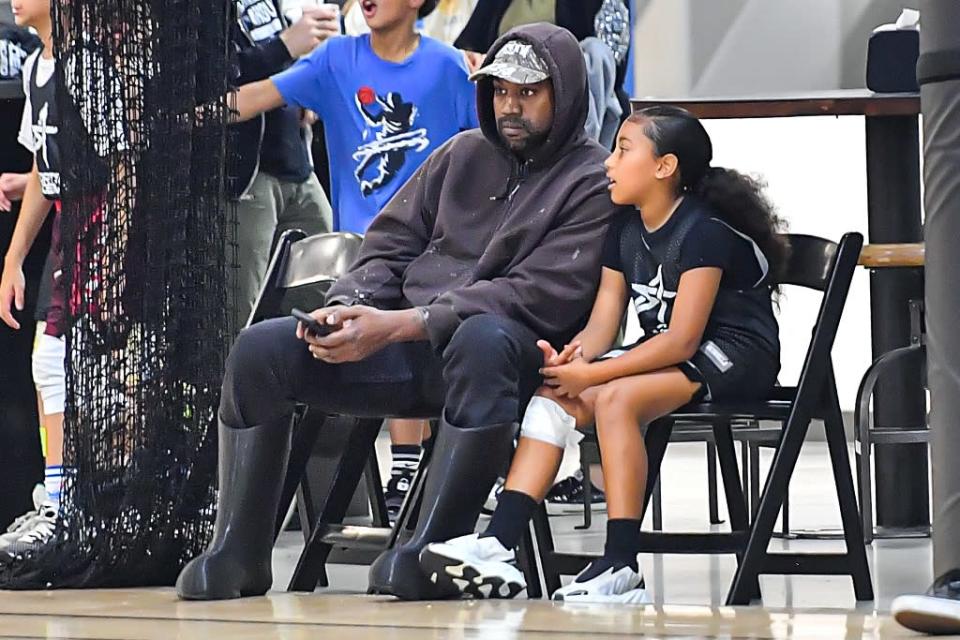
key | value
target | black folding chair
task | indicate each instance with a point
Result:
(815, 264)
(300, 272)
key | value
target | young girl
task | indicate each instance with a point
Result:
(696, 260)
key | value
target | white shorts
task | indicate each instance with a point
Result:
(49, 376)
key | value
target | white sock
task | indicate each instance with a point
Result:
(53, 483)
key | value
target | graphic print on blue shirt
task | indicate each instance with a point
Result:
(395, 137)
(382, 119)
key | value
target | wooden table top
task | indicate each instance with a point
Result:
(888, 256)
(842, 102)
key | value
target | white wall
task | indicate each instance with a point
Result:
(815, 166)
(816, 175)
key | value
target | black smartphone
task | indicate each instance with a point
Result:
(311, 323)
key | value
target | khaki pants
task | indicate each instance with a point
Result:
(269, 208)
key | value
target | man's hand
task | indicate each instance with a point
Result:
(362, 332)
(12, 187)
(316, 26)
(12, 285)
(570, 379)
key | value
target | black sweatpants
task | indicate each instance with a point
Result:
(485, 376)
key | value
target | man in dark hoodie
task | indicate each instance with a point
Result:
(493, 244)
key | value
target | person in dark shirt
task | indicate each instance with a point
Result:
(695, 263)
(271, 171)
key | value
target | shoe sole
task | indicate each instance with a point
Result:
(445, 572)
(927, 614)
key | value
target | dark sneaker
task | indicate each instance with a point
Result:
(396, 493)
(937, 611)
(567, 496)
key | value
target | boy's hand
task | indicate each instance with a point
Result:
(12, 187)
(474, 60)
(12, 285)
(317, 25)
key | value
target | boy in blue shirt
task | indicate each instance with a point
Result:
(387, 99)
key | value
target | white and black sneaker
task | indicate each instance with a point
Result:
(24, 523)
(605, 581)
(937, 611)
(566, 496)
(395, 493)
(491, 504)
(477, 567)
(35, 536)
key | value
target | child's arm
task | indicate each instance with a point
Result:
(691, 312)
(604, 324)
(33, 212)
(256, 98)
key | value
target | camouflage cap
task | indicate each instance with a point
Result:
(516, 62)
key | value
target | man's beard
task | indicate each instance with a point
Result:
(528, 145)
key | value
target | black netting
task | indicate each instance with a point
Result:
(144, 228)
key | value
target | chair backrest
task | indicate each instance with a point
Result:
(811, 262)
(828, 267)
(301, 271)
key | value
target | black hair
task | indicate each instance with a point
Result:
(738, 199)
(427, 8)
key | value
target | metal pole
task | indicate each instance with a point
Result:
(893, 194)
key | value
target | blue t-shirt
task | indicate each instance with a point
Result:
(382, 119)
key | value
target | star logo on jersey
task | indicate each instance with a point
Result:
(41, 130)
(654, 295)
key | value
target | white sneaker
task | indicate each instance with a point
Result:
(25, 522)
(937, 611)
(39, 532)
(493, 498)
(476, 567)
(616, 584)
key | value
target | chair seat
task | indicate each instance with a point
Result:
(737, 410)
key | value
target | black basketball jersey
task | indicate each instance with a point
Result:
(54, 112)
(45, 117)
(652, 263)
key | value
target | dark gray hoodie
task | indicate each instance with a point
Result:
(476, 230)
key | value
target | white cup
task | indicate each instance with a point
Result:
(293, 9)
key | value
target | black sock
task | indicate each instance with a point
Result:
(510, 520)
(623, 541)
(406, 459)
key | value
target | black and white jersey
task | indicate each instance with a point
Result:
(742, 329)
(101, 115)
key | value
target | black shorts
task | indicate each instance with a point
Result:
(732, 369)
(728, 368)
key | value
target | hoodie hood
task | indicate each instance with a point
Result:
(561, 52)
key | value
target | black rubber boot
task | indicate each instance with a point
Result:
(464, 466)
(252, 466)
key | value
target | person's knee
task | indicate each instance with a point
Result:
(612, 401)
(264, 347)
(481, 338)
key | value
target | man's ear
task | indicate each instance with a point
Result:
(667, 166)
